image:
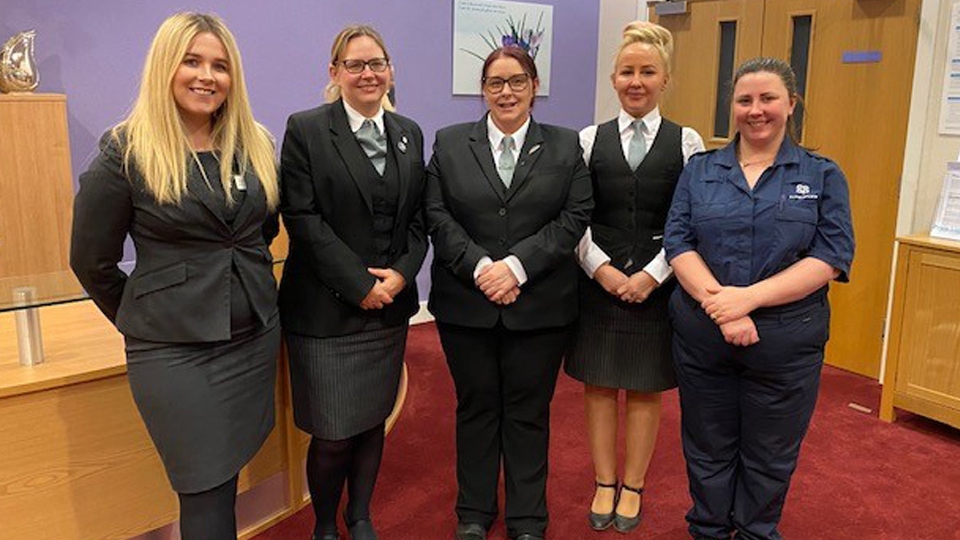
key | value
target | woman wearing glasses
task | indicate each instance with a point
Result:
(507, 200)
(351, 190)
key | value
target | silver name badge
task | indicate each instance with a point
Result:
(239, 182)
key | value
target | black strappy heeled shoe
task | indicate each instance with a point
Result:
(626, 524)
(601, 522)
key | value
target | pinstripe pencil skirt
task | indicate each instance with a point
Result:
(622, 345)
(345, 385)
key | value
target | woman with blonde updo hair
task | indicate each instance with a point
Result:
(192, 178)
(351, 197)
(623, 337)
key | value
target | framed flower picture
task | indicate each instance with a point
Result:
(480, 26)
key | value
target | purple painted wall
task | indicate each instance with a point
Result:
(93, 52)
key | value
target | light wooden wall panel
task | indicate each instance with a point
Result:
(36, 186)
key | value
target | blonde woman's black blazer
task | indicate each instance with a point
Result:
(180, 288)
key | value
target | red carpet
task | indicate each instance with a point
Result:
(859, 478)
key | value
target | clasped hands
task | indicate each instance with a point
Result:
(498, 283)
(388, 285)
(729, 308)
(634, 289)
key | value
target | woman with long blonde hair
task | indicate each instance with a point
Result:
(191, 178)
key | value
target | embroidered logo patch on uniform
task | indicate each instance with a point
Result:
(803, 192)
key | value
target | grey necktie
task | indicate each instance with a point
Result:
(637, 147)
(374, 144)
(507, 162)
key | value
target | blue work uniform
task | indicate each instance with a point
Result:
(745, 410)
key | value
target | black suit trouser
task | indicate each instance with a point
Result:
(504, 381)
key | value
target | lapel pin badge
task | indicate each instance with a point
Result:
(534, 149)
(402, 145)
(239, 182)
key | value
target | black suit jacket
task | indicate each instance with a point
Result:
(540, 219)
(180, 289)
(328, 213)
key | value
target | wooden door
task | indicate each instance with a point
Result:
(859, 72)
(692, 93)
(856, 113)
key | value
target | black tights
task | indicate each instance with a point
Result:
(329, 463)
(209, 515)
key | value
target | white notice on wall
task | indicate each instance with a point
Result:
(946, 221)
(950, 100)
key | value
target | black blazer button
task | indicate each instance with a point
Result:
(502, 241)
(502, 212)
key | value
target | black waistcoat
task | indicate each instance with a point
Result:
(631, 206)
(384, 196)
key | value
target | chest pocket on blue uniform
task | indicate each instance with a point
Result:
(798, 211)
(712, 201)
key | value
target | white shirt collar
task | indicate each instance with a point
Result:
(651, 122)
(356, 119)
(496, 136)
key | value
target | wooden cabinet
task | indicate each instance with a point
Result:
(923, 362)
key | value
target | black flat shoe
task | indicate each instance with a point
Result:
(327, 536)
(471, 531)
(601, 522)
(362, 530)
(626, 524)
(528, 536)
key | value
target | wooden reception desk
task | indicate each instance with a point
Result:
(76, 462)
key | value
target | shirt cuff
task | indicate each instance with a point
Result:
(513, 262)
(481, 264)
(659, 268)
(589, 255)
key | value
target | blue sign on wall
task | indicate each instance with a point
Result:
(861, 57)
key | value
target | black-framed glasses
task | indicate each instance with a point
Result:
(518, 83)
(376, 65)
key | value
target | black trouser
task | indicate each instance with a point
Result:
(504, 380)
(745, 411)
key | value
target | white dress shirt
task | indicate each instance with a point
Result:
(590, 255)
(356, 119)
(496, 138)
